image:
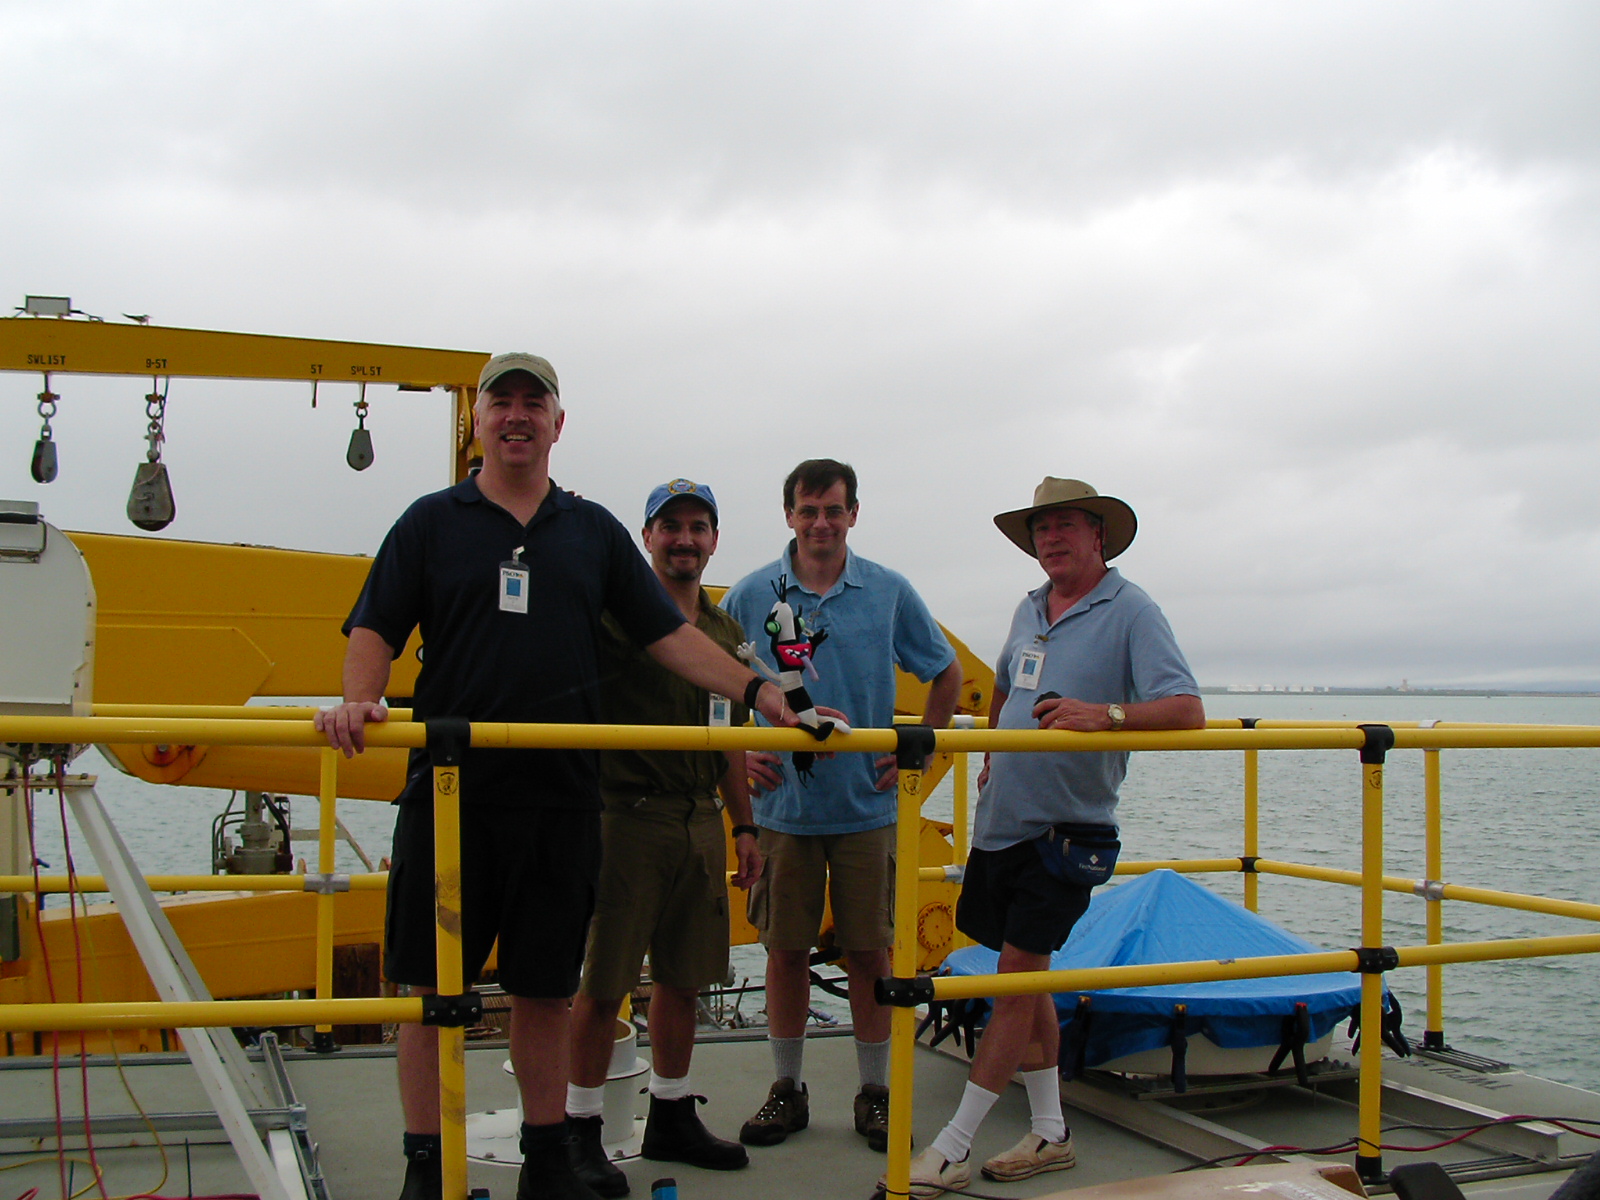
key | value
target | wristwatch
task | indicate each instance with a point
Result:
(1117, 716)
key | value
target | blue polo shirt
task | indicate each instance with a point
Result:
(439, 569)
(1113, 646)
(875, 622)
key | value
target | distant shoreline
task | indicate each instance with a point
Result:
(1487, 693)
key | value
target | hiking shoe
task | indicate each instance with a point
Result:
(932, 1173)
(589, 1159)
(1029, 1157)
(872, 1115)
(787, 1110)
(674, 1133)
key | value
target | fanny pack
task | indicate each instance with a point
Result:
(1082, 855)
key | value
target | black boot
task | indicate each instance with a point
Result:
(674, 1133)
(547, 1172)
(589, 1159)
(424, 1172)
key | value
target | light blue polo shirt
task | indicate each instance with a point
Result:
(875, 621)
(1112, 646)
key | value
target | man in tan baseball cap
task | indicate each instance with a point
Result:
(507, 575)
(1087, 651)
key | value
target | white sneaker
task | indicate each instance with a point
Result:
(1029, 1157)
(932, 1175)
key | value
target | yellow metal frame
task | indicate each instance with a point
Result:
(326, 1010)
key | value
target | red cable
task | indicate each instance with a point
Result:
(77, 954)
(1353, 1143)
(49, 982)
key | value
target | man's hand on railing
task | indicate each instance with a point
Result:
(346, 724)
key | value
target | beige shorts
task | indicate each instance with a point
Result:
(855, 869)
(663, 889)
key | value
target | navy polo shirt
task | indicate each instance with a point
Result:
(439, 569)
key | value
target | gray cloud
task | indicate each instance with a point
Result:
(1313, 287)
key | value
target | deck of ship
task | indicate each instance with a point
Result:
(353, 1115)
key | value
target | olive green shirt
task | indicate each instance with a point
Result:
(637, 690)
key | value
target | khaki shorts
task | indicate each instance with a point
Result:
(857, 870)
(663, 889)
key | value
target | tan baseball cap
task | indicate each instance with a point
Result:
(1120, 523)
(517, 360)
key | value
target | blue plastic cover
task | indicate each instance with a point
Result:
(1165, 917)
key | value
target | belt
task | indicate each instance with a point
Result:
(615, 797)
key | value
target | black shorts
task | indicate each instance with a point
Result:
(528, 877)
(1008, 896)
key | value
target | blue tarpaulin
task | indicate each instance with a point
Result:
(1165, 917)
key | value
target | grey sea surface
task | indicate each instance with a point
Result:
(1517, 820)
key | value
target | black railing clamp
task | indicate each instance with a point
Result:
(454, 1012)
(1375, 960)
(1380, 740)
(1247, 863)
(448, 739)
(904, 993)
(913, 746)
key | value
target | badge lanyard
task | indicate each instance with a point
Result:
(721, 710)
(514, 577)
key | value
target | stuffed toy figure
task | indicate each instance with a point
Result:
(793, 644)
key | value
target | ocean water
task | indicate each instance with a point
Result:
(1520, 820)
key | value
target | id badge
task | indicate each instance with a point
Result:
(514, 578)
(721, 714)
(1028, 670)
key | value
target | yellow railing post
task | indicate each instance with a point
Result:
(328, 788)
(1369, 1157)
(963, 830)
(915, 742)
(1433, 872)
(1252, 844)
(447, 944)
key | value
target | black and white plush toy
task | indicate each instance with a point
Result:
(793, 644)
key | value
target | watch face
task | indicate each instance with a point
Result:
(1114, 711)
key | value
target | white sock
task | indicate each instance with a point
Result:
(585, 1102)
(872, 1062)
(955, 1139)
(788, 1057)
(1044, 1102)
(669, 1089)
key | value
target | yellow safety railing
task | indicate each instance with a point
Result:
(1372, 959)
(447, 741)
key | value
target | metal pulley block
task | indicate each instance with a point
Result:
(150, 503)
(359, 455)
(44, 467)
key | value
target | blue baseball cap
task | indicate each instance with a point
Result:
(663, 495)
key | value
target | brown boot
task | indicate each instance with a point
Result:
(675, 1133)
(589, 1159)
(547, 1172)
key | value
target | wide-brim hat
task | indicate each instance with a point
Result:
(519, 360)
(1120, 523)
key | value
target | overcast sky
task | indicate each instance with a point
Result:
(1313, 286)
